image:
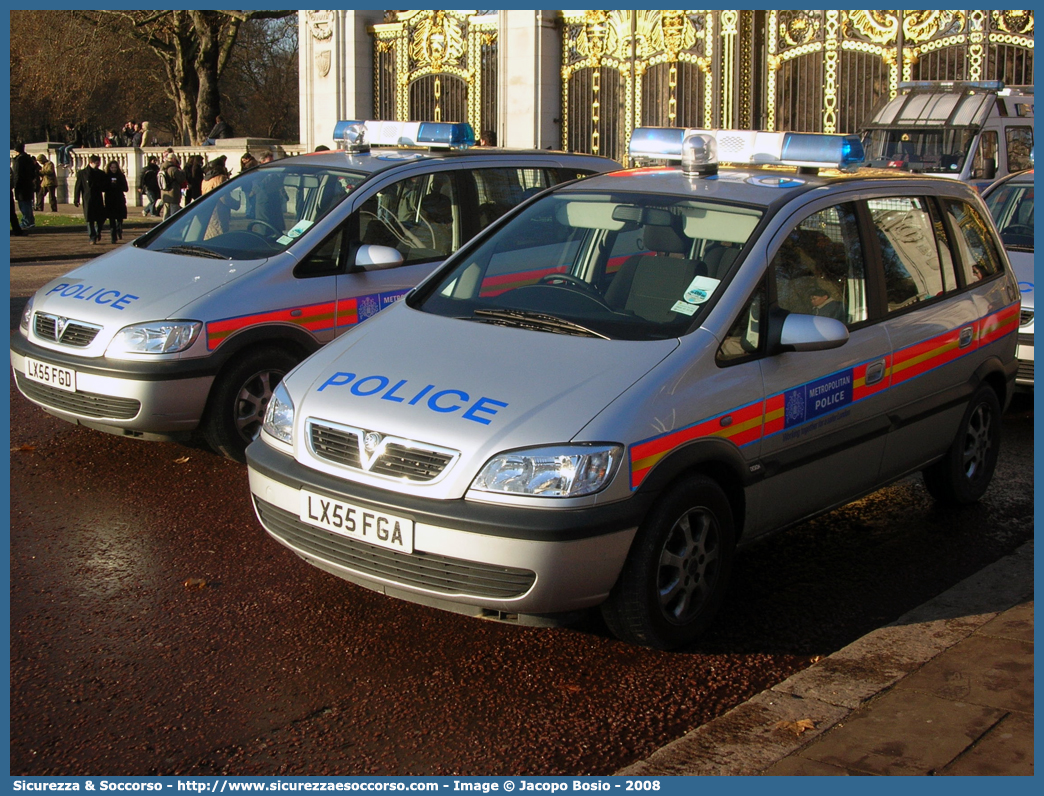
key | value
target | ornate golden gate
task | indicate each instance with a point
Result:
(826, 70)
(624, 69)
(436, 66)
(814, 71)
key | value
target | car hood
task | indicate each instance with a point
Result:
(132, 285)
(468, 387)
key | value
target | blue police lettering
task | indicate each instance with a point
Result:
(115, 298)
(124, 300)
(422, 393)
(483, 405)
(102, 300)
(433, 404)
(481, 410)
(357, 388)
(391, 396)
(336, 380)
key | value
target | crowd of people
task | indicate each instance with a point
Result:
(165, 184)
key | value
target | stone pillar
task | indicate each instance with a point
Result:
(336, 71)
(529, 91)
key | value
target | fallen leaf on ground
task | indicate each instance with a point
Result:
(24, 448)
(182, 460)
(194, 583)
(797, 727)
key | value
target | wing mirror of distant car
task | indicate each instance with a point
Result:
(811, 333)
(371, 257)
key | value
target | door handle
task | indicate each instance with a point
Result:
(875, 372)
(967, 335)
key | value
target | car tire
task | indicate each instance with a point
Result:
(963, 474)
(239, 399)
(674, 579)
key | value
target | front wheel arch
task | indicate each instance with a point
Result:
(240, 394)
(674, 578)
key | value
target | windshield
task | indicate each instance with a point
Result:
(1011, 206)
(613, 265)
(258, 214)
(938, 151)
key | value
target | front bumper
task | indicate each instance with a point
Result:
(140, 399)
(470, 558)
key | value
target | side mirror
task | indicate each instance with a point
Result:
(811, 333)
(371, 257)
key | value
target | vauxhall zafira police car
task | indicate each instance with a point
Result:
(597, 399)
(189, 327)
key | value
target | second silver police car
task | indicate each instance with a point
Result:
(599, 398)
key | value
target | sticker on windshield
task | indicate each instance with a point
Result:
(298, 229)
(683, 308)
(700, 289)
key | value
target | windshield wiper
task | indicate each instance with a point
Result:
(196, 251)
(537, 321)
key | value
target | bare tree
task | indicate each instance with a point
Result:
(194, 48)
(63, 71)
(259, 89)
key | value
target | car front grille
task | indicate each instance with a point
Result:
(87, 404)
(1025, 317)
(396, 458)
(1025, 374)
(1026, 339)
(71, 333)
(428, 571)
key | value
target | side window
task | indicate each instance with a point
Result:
(984, 165)
(743, 340)
(978, 252)
(498, 190)
(420, 216)
(819, 267)
(325, 259)
(1019, 142)
(910, 253)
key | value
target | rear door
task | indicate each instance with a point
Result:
(944, 308)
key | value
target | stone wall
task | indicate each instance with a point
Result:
(133, 161)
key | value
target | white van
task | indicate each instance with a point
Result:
(973, 131)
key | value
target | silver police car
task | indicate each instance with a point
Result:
(1010, 200)
(190, 326)
(597, 399)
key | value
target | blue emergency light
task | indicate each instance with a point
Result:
(951, 85)
(747, 147)
(358, 135)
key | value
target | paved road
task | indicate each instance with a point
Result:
(155, 629)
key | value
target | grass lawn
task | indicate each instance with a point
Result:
(56, 220)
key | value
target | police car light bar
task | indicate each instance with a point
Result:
(358, 135)
(750, 147)
(951, 85)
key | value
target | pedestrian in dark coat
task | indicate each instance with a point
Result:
(148, 186)
(25, 172)
(90, 189)
(115, 198)
(194, 175)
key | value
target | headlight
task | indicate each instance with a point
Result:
(27, 315)
(156, 337)
(279, 417)
(559, 471)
